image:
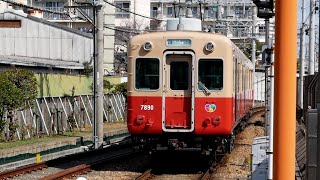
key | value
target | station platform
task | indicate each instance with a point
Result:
(47, 148)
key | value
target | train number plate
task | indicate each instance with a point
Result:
(147, 107)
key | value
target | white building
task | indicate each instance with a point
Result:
(130, 20)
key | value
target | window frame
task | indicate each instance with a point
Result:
(223, 73)
(121, 14)
(172, 11)
(134, 74)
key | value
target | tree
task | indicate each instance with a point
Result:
(10, 99)
(122, 37)
(17, 86)
(247, 49)
(24, 80)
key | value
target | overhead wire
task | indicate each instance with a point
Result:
(129, 30)
(120, 30)
(33, 7)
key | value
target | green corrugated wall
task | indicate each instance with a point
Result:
(60, 85)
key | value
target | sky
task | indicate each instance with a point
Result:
(307, 12)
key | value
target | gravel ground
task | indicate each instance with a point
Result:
(168, 167)
(124, 170)
(236, 165)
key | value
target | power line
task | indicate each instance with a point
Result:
(129, 30)
(116, 29)
(131, 11)
(33, 7)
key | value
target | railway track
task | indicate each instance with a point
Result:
(84, 168)
(73, 164)
(258, 109)
(147, 175)
(25, 169)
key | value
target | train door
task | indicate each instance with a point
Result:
(178, 92)
(236, 89)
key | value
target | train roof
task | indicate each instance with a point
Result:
(205, 36)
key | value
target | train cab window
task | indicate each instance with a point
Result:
(147, 74)
(179, 75)
(210, 74)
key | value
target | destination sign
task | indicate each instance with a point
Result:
(178, 42)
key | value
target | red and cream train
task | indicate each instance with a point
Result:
(187, 89)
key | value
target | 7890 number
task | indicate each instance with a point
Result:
(147, 107)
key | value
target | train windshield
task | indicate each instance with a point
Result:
(210, 74)
(147, 74)
(179, 75)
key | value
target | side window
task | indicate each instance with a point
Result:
(147, 74)
(210, 74)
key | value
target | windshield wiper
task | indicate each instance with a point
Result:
(205, 89)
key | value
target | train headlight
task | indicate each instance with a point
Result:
(209, 46)
(140, 119)
(147, 46)
(216, 121)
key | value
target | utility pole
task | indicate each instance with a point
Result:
(98, 77)
(302, 56)
(266, 96)
(318, 105)
(265, 10)
(311, 38)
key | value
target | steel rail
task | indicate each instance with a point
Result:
(22, 170)
(205, 176)
(83, 168)
(146, 175)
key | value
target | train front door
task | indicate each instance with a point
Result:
(178, 92)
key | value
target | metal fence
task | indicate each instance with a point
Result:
(54, 115)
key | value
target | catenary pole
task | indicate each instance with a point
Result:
(302, 55)
(318, 105)
(98, 77)
(285, 85)
(311, 38)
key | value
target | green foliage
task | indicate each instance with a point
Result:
(248, 49)
(71, 120)
(107, 86)
(121, 88)
(10, 96)
(88, 69)
(10, 99)
(24, 80)
(12, 129)
(16, 87)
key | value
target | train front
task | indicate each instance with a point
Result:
(179, 86)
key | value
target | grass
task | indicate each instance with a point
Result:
(75, 133)
(5, 145)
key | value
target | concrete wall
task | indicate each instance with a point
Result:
(259, 86)
(60, 85)
(116, 79)
(43, 40)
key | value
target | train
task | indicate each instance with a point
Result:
(187, 90)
